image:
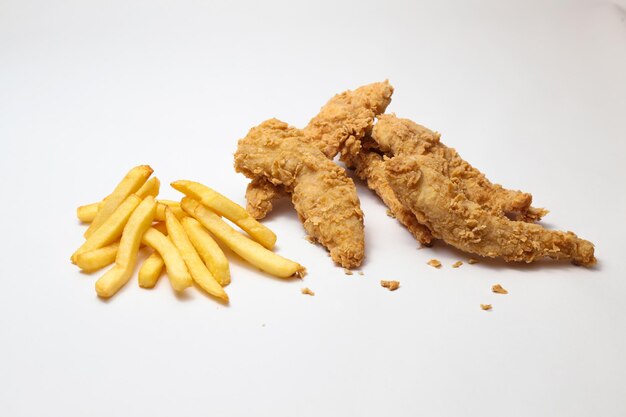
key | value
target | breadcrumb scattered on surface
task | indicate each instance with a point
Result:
(457, 264)
(485, 307)
(347, 271)
(307, 291)
(390, 285)
(361, 273)
(434, 263)
(498, 289)
(472, 261)
(309, 239)
(390, 214)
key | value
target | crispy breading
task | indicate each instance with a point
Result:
(341, 123)
(324, 197)
(439, 204)
(260, 197)
(370, 167)
(396, 136)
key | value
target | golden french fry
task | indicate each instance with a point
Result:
(208, 249)
(112, 227)
(229, 209)
(139, 222)
(248, 249)
(176, 269)
(160, 213)
(151, 270)
(135, 178)
(87, 213)
(150, 187)
(98, 258)
(199, 271)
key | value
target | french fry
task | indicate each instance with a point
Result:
(87, 213)
(112, 228)
(248, 249)
(135, 178)
(150, 187)
(98, 258)
(229, 209)
(151, 270)
(175, 265)
(160, 213)
(208, 249)
(138, 223)
(199, 271)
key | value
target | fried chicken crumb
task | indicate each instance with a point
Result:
(498, 289)
(347, 271)
(390, 285)
(434, 263)
(307, 291)
(457, 264)
(485, 307)
(472, 261)
(310, 239)
(390, 214)
(361, 273)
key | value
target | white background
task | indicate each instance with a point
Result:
(532, 93)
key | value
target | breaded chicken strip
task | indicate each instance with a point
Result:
(260, 196)
(340, 124)
(396, 136)
(370, 166)
(324, 197)
(439, 204)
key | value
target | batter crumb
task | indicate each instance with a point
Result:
(434, 263)
(390, 285)
(307, 291)
(457, 264)
(498, 289)
(485, 307)
(347, 271)
(309, 239)
(472, 261)
(361, 273)
(390, 214)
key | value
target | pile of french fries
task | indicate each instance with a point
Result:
(181, 235)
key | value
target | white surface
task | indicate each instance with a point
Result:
(532, 94)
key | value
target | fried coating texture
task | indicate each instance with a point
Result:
(441, 205)
(341, 124)
(395, 136)
(324, 197)
(370, 167)
(260, 197)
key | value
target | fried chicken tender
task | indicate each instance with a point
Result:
(340, 124)
(324, 197)
(396, 136)
(370, 167)
(440, 204)
(260, 196)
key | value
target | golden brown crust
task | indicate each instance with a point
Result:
(342, 122)
(450, 215)
(396, 136)
(390, 285)
(324, 197)
(347, 117)
(370, 167)
(260, 196)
